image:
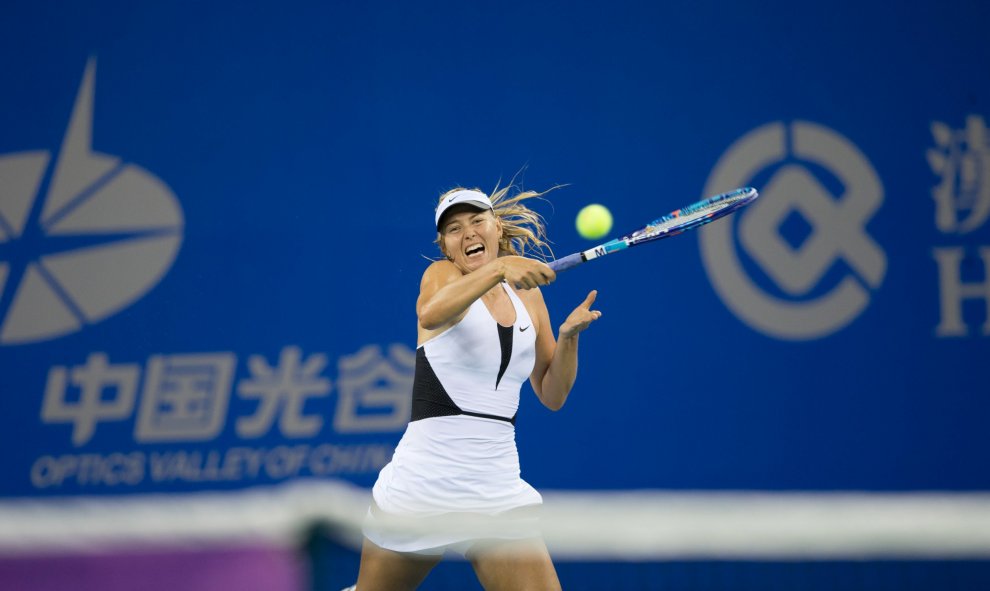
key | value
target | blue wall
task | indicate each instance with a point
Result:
(270, 197)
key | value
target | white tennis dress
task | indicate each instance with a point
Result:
(458, 453)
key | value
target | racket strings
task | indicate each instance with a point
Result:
(686, 218)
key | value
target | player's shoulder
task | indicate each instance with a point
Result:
(441, 267)
(442, 271)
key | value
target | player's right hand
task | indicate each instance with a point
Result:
(523, 273)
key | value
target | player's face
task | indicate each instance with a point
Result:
(470, 238)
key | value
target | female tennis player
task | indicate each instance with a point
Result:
(484, 329)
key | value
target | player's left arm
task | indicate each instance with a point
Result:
(556, 360)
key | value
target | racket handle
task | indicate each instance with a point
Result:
(571, 260)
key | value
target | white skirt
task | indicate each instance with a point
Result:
(458, 465)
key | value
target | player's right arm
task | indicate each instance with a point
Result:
(445, 293)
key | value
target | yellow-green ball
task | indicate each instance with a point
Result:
(594, 221)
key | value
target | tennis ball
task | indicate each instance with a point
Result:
(594, 221)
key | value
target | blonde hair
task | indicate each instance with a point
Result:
(523, 230)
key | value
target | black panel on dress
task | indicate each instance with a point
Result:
(431, 400)
(505, 340)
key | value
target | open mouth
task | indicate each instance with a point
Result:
(476, 250)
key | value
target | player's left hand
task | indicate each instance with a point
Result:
(581, 317)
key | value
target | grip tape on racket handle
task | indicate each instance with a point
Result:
(571, 260)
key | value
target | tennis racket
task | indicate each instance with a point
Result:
(672, 224)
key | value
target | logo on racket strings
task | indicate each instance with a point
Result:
(809, 298)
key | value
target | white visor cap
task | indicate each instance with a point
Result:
(471, 197)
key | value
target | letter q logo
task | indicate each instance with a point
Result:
(788, 288)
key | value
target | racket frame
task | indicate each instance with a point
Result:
(739, 198)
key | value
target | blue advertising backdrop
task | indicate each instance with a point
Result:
(214, 218)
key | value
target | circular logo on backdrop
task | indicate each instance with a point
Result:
(81, 237)
(781, 281)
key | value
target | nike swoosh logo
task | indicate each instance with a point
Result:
(452, 198)
(523, 329)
